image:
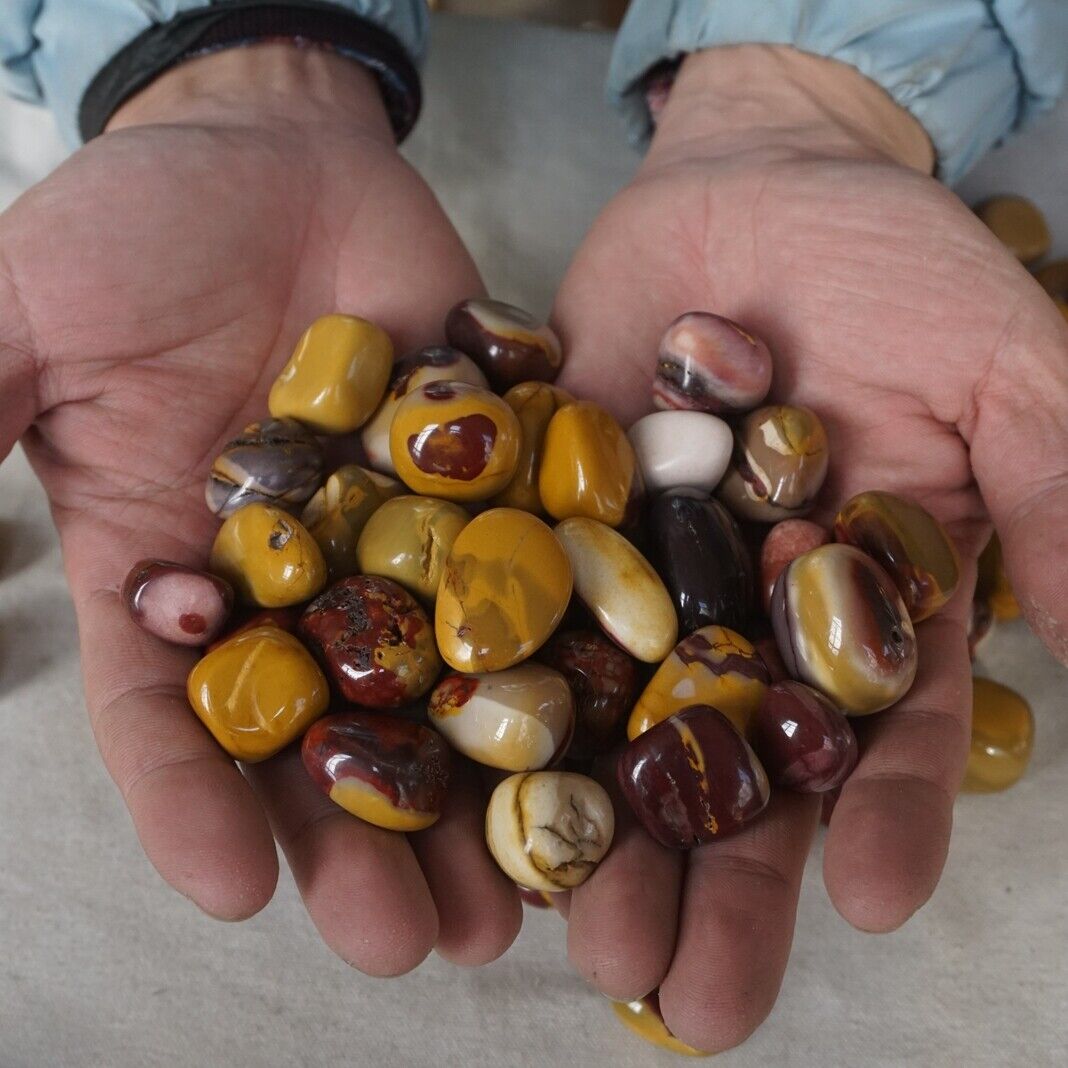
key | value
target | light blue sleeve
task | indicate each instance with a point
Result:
(50, 50)
(969, 70)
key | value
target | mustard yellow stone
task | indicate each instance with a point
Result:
(992, 584)
(1018, 225)
(506, 586)
(1003, 735)
(588, 467)
(268, 557)
(644, 1020)
(336, 375)
(258, 692)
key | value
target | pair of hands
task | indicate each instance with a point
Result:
(151, 288)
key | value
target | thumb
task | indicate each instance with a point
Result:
(18, 368)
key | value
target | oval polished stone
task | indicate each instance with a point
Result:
(374, 641)
(176, 603)
(336, 375)
(284, 618)
(992, 584)
(678, 448)
(620, 588)
(548, 830)
(1003, 735)
(437, 363)
(710, 364)
(268, 557)
(692, 778)
(786, 541)
(408, 540)
(644, 1019)
(1018, 225)
(909, 544)
(385, 770)
(275, 461)
(697, 548)
(257, 692)
(336, 515)
(713, 666)
(454, 440)
(602, 679)
(519, 719)
(803, 741)
(509, 344)
(588, 467)
(506, 586)
(842, 627)
(779, 464)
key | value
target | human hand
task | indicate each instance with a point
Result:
(150, 291)
(776, 192)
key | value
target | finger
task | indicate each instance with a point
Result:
(479, 911)
(18, 367)
(739, 902)
(361, 884)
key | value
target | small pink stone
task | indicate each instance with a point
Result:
(786, 541)
(177, 603)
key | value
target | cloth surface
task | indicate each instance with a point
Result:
(103, 966)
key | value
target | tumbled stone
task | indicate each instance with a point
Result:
(177, 603)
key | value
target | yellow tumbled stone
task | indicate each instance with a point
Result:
(1003, 735)
(646, 1022)
(1018, 225)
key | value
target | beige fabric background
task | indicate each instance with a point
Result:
(102, 965)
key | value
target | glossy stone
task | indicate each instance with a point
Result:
(506, 586)
(713, 666)
(779, 463)
(710, 364)
(644, 1019)
(438, 363)
(536, 899)
(519, 719)
(176, 603)
(803, 741)
(1003, 735)
(588, 467)
(336, 515)
(842, 627)
(602, 679)
(908, 542)
(677, 448)
(992, 584)
(698, 550)
(385, 770)
(257, 692)
(408, 540)
(509, 344)
(692, 778)
(275, 461)
(284, 618)
(374, 641)
(1018, 225)
(268, 557)
(548, 830)
(454, 440)
(786, 541)
(620, 588)
(336, 375)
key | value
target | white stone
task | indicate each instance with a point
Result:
(680, 448)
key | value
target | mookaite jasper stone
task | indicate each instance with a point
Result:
(336, 375)
(257, 692)
(842, 627)
(509, 344)
(681, 449)
(336, 515)
(602, 679)
(713, 666)
(692, 778)
(388, 771)
(374, 641)
(275, 461)
(408, 540)
(548, 830)
(780, 461)
(644, 1019)
(519, 719)
(710, 364)
(284, 618)
(992, 584)
(454, 440)
(588, 467)
(620, 588)
(1018, 225)
(438, 363)
(268, 557)
(506, 586)
(697, 548)
(908, 542)
(1003, 734)
(176, 603)
(803, 741)
(786, 541)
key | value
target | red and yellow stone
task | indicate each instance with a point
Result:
(1003, 735)
(644, 1019)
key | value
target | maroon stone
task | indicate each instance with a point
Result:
(284, 618)
(432, 356)
(786, 541)
(177, 603)
(459, 448)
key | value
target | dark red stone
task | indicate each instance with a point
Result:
(284, 618)
(432, 356)
(459, 448)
